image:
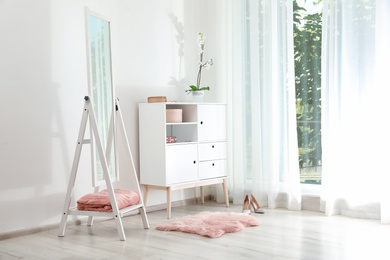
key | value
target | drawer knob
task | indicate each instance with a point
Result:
(201, 122)
(212, 146)
(194, 162)
(213, 164)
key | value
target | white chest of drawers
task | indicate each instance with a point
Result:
(197, 158)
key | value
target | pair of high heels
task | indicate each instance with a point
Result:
(251, 203)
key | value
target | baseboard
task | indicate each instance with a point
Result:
(29, 231)
(311, 203)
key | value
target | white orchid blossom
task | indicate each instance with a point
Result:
(201, 41)
(206, 65)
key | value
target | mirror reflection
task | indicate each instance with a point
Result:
(101, 92)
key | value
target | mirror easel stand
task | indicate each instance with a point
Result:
(117, 214)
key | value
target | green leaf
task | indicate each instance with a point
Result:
(194, 88)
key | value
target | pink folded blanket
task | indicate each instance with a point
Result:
(101, 201)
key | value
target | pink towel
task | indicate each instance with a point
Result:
(101, 201)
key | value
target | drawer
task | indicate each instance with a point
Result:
(212, 151)
(212, 169)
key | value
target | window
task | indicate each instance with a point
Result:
(265, 39)
(307, 56)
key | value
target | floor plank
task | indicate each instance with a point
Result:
(282, 234)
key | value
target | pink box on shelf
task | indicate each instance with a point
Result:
(174, 115)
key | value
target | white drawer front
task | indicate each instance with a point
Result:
(212, 151)
(212, 169)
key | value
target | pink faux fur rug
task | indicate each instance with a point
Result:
(211, 224)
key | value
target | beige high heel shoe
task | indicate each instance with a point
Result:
(255, 205)
(246, 207)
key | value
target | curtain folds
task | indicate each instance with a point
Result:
(355, 93)
(265, 148)
(355, 110)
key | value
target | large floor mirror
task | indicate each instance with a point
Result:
(101, 92)
(103, 113)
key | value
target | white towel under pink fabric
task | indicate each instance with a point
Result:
(101, 201)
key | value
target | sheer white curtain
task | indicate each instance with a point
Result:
(265, 150)
(355, 110)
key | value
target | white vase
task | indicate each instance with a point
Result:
(197, 96)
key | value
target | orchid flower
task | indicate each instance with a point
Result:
(206, 65)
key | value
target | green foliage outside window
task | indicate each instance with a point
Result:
(307, 54)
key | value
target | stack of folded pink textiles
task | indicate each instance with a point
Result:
(101, 201)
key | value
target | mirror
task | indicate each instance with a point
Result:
(101, 93)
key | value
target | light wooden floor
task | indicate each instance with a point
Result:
(282, 235)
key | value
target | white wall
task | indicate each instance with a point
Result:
(43, 81)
